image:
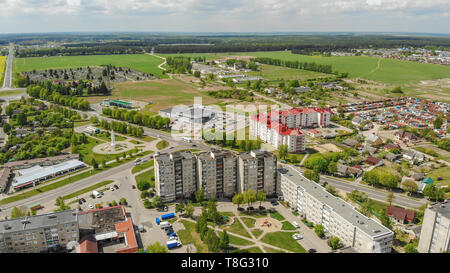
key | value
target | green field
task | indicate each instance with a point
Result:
(163, 93)
(371, 68)
(162, 144)
(274, 73)
(140, 62)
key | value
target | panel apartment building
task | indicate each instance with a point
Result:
(284, 127)
(175, 175)
(257, 171)
(339, 218)
(39, 233)
(435, 233)
(219, 173)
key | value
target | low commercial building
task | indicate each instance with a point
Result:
(435, 233)
(190, 114)
(338, 217)
(37, 174)
(118, 103)
(49, 232)
(108, 230)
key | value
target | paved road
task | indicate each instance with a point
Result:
(8, 75)
(376, 194)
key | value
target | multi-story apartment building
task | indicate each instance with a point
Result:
(257, 171)
(175, 175)
(283, 128)
(435, 233)
(39, 233)
(217, 174)
(339, 218)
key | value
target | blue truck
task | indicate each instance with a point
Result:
(157, 221)
(167, 216)
(173, 244)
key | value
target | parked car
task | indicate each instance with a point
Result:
(111, 188)
(93, 196)
(274, 203)
(312, 250)
(166, 208)
(241, 209)
(80, 202)
(295, 224)
(116, 187)
(250, 208)
(297, 236)
(91, 206)
(83, 200)
(133, 187)
(261, 208)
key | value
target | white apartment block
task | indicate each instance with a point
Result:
(435, 233)
(339, 218)
(283, 128)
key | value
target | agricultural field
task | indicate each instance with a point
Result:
(2, 69)
(163, 93)
(381, 70)
(140, 62)
(274, 73)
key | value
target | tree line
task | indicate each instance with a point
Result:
(310, 66)
(133, 116)
(53, 94)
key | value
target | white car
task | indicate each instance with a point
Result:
(91, 206)
(112, 188)
(297, 236)
(295, 224)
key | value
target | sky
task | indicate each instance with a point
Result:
(419, 16)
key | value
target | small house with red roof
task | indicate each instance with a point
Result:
(400, 215)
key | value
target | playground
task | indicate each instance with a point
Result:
(268, 224)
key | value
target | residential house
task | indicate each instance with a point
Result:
(350, 142)
(374, 140)
(392, 157)
(400, 215)
(391, 146)
(302, 89)
(374, 161)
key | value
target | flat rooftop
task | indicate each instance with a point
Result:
(344, 209)
(38, 221)
(102, 220)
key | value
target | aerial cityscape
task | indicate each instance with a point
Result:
(203, 140)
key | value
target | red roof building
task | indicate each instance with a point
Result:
(373, 160)
(401, 215)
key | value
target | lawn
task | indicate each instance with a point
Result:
(249, 222)
(139, 62)
(287, 226)
(11, 93)
(441, 172)
(255, 249)
(162, 144)
(272, 250)
(2, 68)
(143, 166)
(257, 232)
(277, 215)
(236, 240)
(86, 153)
(238, 228)
(146, 176)
(190, 236)
(283, 240)
(88, 189)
